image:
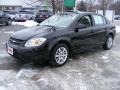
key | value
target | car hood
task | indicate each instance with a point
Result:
(28, 33)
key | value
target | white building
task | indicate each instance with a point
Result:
(18, 4)
(10, 5)
(36, 3)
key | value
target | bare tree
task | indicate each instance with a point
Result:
(53, 6)
(56, 4)
(116, 7)
(82, 6)
(104, 4)
(90, 4)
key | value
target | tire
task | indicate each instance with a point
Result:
(109, 43)
(9, 22)
(60, 55)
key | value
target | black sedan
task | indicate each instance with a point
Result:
(61, 35)
(5, 19)
(42, 15)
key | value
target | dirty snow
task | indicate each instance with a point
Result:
(94, 70)
(9, 32)
(117, 28)
(28, 23)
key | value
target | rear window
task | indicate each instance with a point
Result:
(44, 12)
(10, 12)
(99, 20)
(26, 12)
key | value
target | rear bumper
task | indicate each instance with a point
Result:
(39, 19)
(2, 21)
(40, 54)
(20, 19)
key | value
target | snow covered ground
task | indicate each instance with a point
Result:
(117, 28)
(28, 23)
(93, 70)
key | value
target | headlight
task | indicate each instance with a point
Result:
(35, 42)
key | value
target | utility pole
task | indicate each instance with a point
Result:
(53, 6)
(90, 5)
(104, 7)
(115, 8)
(75, 8)
(62, 10)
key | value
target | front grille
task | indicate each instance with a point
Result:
(16, 41)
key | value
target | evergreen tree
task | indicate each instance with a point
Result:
(82, 6)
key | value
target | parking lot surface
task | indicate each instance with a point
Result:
(94, 69)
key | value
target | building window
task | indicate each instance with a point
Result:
(7, 8)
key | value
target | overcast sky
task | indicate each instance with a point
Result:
(21, 2)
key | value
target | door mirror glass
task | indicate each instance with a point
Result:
(84, 22)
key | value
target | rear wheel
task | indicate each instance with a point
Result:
(109, 43)
(60, 55)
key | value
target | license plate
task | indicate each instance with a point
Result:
(40, 15)
(10, 50)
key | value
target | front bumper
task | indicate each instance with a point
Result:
(20, 19)
(40, 54)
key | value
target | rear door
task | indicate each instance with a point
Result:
(99, 31)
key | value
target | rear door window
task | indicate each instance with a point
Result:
(99, 20)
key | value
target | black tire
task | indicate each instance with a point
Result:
(9, 22)
(53, 60)
(107, 46)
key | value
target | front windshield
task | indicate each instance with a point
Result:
(60, 20)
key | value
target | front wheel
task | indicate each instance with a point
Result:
(60, 55)
(9, 22)
(109, 43)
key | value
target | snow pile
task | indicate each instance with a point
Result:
(118, 28)
(28, 23)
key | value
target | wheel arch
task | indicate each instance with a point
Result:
(111, 34)
(53, 45)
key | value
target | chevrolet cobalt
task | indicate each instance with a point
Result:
(61, 35)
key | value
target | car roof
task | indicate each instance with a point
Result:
(81, 12)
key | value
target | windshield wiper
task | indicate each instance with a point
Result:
(52, 27)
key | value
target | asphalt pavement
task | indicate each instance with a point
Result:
(95, 69)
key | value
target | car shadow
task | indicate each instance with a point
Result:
(87, 52)
(76, 56)
(17, 65)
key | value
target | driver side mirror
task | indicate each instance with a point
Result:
(80, 26)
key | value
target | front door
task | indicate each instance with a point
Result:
(82, 34)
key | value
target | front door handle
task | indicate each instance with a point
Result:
(92, 31)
